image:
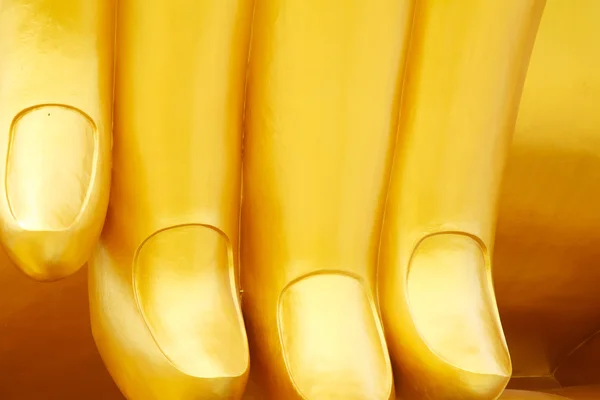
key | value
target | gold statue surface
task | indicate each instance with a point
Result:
(300, 199)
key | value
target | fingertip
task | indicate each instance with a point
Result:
(331, 339)
(55, 190)
(182, 276)
(446, 337)
(49, 256)
(453, 305)
(146, 366)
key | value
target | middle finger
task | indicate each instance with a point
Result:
(323, 95)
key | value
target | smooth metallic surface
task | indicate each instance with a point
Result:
(318, 146)
(306, 307)
(463, 84)
(527, 395)
(584, 392)
(344, 117)
(459, 300)
(35, 163)
(164, 293)
(180, 276)
(56, 80)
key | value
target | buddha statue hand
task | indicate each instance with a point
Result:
(371, 137)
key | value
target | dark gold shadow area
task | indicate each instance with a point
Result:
(548, 238)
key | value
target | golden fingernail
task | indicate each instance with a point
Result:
(331, 340)
(183, 287)
(453, 307)
(49, 167)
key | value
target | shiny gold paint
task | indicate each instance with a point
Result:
(167, 264)
(318, 145)
(323, 102)
(465, 74)
(37, 138)
(56, 79)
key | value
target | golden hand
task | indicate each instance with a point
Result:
(323, 100)
(325, 92)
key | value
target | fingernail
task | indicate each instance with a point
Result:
(331, 340)
(49, 167)
(454, 310)
(183, 288)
